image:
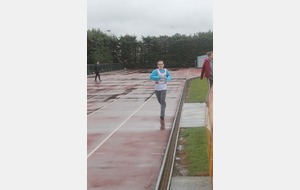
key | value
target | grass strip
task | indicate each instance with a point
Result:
(197, 90)
(196, 150)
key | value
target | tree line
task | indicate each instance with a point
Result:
(176, 51)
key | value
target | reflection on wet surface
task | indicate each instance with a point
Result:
(162, 124)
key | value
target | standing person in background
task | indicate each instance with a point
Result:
(207, 68)
(97, 70)
(161, 76)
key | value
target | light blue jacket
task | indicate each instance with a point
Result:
(160, 81)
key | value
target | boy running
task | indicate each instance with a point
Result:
(161, 76)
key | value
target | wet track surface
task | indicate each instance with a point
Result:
(126, 140)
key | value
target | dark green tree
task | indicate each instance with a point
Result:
(129, 50)
(176, 51)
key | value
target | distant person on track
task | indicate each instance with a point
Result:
(207, 68)
(161, 76)
(97, 69)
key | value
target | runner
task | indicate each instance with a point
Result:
(161, 76)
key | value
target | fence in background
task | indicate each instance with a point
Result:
(106, 67)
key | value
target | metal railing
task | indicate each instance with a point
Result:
(106, 67)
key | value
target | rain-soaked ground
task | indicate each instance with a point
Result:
(126, 140)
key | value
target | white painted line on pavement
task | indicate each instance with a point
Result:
(114, 101)
(118, 128)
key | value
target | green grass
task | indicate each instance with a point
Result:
(195, 139)
(196, 151)
(197, 90)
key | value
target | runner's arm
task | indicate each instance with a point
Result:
(154, 76)
(169, 76)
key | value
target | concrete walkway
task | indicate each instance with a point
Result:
(190, 183)
(193, 115)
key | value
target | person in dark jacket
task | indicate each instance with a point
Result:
(207, 68)
(97, 70)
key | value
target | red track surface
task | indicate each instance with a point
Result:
(125, 139)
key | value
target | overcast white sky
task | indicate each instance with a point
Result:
(150, 17)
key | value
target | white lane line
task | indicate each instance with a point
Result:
(118, 128)
(105, 105)
(114, 101)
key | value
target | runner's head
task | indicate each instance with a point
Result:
(160, 64)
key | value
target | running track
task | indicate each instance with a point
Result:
(125, 139)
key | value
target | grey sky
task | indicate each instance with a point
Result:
(150, 17)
